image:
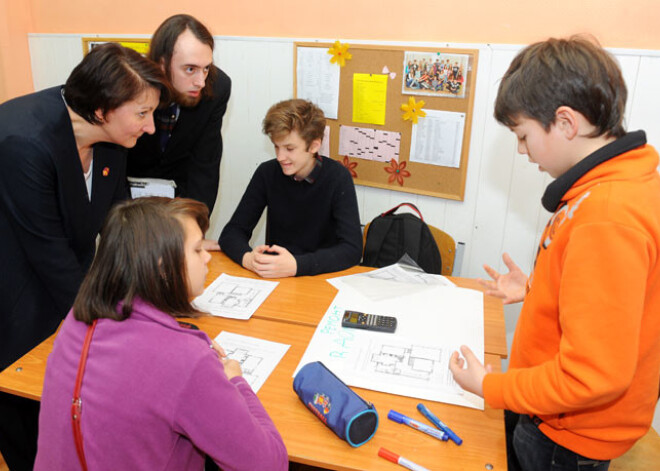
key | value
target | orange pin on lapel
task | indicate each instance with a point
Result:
(106, 171)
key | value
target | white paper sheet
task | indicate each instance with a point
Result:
(389, 282)
(414, 360)
(437, 139)
(318, 79)
(258, 358)
(141, 187)
(234, 297)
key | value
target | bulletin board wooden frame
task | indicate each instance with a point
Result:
(424, 179)
(140, 45)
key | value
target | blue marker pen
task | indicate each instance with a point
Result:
(402, 419)
(438, 423)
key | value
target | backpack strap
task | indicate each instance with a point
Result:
(412, 235)
(410, 205)
(376, 236)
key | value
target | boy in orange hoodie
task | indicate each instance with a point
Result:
(584, 370)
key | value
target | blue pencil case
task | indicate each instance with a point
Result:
(348, 415)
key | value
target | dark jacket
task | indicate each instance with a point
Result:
(193, 152)
(48, 225)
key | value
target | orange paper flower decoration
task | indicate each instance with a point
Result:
(397, 171)
(350, 166)
(339, 53)
(413, 110)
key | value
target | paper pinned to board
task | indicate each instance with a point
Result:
(369, 98)
(318, 79)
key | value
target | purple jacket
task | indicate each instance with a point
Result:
(154, 397)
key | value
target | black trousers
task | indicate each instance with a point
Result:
(19, 425)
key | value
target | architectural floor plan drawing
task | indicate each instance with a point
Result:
(232, 295)
(235, 297)
(413, 362)
(258, 358)
(407, 363)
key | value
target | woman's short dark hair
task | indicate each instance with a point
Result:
(574, 72)
(140, 255)
(109, 76)
(164, 39)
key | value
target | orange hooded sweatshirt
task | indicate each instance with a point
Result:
(585, 357)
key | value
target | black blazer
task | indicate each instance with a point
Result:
(48, 226)
(193, 152)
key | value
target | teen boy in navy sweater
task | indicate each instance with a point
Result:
(312, 224)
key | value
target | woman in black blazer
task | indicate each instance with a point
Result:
(62, 166)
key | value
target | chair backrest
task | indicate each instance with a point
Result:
(447, 248)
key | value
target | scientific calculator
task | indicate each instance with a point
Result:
(360, 320)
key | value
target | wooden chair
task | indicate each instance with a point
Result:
(645, 454)
(444, 241)
(447, 248)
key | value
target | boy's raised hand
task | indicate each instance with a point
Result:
(271, 261)
(510, 287)
(471, 378)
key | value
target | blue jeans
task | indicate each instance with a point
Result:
(529, 449)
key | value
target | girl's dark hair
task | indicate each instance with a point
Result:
(109, 76)
(162, 44)
(140, 255)
(574, 72)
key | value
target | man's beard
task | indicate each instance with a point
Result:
(186, 101)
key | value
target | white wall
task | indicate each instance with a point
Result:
(501, 210)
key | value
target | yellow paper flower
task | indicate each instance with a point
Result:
(339, 53)
(413, 110)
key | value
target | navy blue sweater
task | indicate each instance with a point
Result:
(317, 222)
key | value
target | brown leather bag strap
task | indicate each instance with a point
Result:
(76, 407)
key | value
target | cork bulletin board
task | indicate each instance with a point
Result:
(414, 176)
(140, 45)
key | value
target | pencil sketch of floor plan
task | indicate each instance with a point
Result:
(249, 362)
(414, 362)
(406, 363)
(257, 357)
(235, 297)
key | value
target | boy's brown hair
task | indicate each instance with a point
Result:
(140, 255)
(573, 72)
(298, 115)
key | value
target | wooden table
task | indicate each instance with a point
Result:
(305, 299)
(307, 440)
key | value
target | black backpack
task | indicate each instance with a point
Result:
(390, 236)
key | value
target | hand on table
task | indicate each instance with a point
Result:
(471, 378)
(510, 287)
(277, 263)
